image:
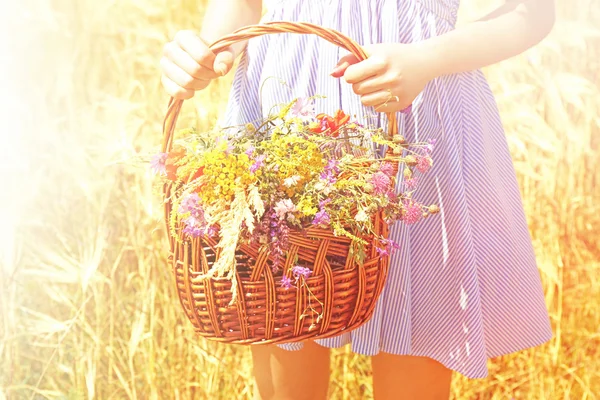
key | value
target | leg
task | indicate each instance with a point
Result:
(409, 378)
(291, 375)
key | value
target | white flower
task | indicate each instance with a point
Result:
(292, 180)
(303, 108)
(361, 216)
(283, 207)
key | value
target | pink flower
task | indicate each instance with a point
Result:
(387, 168)
(412, 213)
(303, 108)
(283, 207)
(258, 163)
(381, 183)
(411, 183)
(424, 163)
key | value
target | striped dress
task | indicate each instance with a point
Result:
(465, 286)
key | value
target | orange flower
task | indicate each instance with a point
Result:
(329, 124)
(172, 158)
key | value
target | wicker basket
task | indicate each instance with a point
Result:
(264, 312)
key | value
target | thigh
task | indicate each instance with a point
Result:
(290, 375)
(409, 378)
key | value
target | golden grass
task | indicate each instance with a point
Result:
(87, 303)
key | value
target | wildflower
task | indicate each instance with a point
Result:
(387, 168)
(189, 204)
(398, 139)
(282, 207)
(292, 180)
(361, 216)
(324, 202)
(412, 213)
(286, 282)
(381, 183)
(330, 171)
(410, 160)
(424, 163)
(328, 124)
(383, 252)
(410, 183)
(249, 151)
(258, 163)
(173, 158)
(299, 271)
(434, 209)
(430, 145)
(158, 164)
(303, 108)
(321, 218)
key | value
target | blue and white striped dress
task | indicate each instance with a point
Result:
(465, 286)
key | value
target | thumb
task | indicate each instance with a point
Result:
(345, 62)
(224, 61)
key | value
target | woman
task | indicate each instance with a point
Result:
(465, 286)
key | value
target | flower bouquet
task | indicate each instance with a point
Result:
(279, 229)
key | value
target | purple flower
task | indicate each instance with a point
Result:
(250, 151)
(330, 171)
(299, 271)
(321, 218)
(258, 163)
(430, 146)
(381, 183)
(324, 202)
(190, 203)
(303, 108)
(286, 282)
(389, 247)
(158, 164)
(382, 252)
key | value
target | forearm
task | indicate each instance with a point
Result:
(222, 17)
(504, 33)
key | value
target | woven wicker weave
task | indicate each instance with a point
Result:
(264, 312)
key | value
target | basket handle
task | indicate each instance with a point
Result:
(252, 31)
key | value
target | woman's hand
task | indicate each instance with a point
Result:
(391, 78)
(188, 65)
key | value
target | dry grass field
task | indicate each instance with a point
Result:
(87, 306)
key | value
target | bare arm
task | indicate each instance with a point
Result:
(395, 73)
(188, 64)
(222, 17)
(509, 30)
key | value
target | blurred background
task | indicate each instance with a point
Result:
(87, 306)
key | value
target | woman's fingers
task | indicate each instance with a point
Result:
(183, 60)
(176, 91)
(371, 85)
(188, 64)
(224, 61)
(377, 98)
(199, 51)
(181, 77)
(365, 69)
(343, 64)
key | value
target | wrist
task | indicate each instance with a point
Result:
(431, 59)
